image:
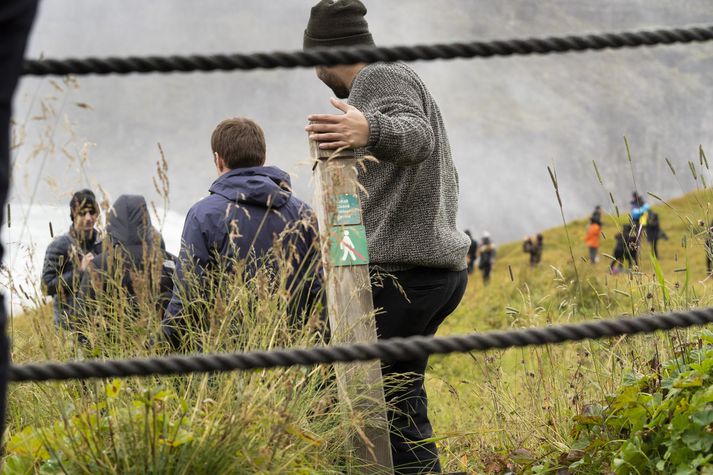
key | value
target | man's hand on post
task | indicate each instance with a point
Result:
(334, 131)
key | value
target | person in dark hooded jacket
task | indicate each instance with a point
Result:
(69, 255)
(248, 207)
(133, 249)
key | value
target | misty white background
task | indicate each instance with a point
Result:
(507, 118)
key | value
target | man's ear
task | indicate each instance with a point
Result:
(219, 163)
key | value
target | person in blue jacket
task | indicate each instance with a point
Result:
(250, 207)
(639, 212)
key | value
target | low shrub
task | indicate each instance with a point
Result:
(660, 422)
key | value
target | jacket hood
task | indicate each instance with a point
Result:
(129, 222)
(265, 186)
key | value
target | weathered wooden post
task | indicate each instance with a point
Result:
(349, 300)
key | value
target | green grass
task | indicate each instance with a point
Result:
(492, 412)
(287, 420)
(515, 408)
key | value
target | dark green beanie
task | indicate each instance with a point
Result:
(337, 23)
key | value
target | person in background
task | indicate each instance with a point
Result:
(597, 214)
(631, 251)
(527, 244)
(617, 264)
(636, 200)
(132, 257)
(69, 255)
(708, 246)
(654, 232)
(639, 213)
(249, 207)
(472, 252)
(594, 231)
(534, 248)
(16, 18)
(486, 257)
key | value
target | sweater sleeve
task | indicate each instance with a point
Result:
(57, 271)
(399, 130)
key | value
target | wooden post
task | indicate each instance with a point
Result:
(349, 302)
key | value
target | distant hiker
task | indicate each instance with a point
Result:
(631, 251)
(527, 244)
(597, 215)
(69, 255)
(533, 247)
(654, 232)
(594, 231)
(409, 207)
(486, 257)
(472, 252)
(537, 251)
(708, 246)
(617, 264)
(249, 206)
(636, 200)
(133, 261)
(639, 213)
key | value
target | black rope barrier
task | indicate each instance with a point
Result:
(397, 349)
(328, 57)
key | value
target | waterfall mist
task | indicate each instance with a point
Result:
(507, 118)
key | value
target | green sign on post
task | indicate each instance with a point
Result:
(346, 210)
(347, 246)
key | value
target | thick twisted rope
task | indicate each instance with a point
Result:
(397, 349)
(302, 59)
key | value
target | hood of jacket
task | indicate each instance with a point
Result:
(129, 223)
(264, 186)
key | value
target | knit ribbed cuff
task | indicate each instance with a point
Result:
(374, 129)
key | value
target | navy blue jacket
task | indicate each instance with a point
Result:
(61, 277)
(246, 210)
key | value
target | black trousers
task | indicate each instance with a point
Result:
(485, 269)
(16, 17)
(654, 243)
(433, 294)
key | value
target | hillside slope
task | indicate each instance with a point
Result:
(492, 412)
(495, 407)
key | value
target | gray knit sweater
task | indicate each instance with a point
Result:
(410, 210)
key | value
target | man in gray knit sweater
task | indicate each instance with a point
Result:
(409, 211)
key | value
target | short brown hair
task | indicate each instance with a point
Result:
(240, 143)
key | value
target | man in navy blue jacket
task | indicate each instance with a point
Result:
(249, 211)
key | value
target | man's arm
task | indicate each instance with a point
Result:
(399, 130)
(392, 124)
(304, 284)
(55, 271)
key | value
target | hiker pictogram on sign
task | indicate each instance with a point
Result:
(348, 246)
